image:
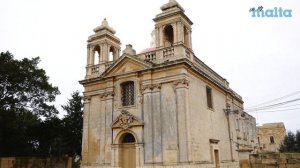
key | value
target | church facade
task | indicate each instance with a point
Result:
(163, 107)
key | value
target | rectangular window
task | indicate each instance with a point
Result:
(272, 140)
(127, 93)
(209, 97)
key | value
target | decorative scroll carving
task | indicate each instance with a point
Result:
(108, 94)
(126, 120)
(86, 99)
(150, 87)
(156, 87)
(181, 83)
(147, 88)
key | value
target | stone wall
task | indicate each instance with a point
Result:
(35, 162)
(264, 134)
(275, 160)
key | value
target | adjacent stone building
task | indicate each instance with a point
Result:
(270, 136)
(163, 107)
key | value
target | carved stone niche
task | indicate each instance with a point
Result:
(126, 120)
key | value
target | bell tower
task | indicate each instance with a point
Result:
(172, 26)
(103, 49)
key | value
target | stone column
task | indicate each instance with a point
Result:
(115, 156)
(175, 33)
(181, 89)
(85, 134)
(139, 154)
(88, 61)
(157, 42)
(108, 53)
(147, 112)
(91, 56)
(180, 32)
(104, 50)
(157, 132)
(108, 129)
(190, 39)
(161, 37)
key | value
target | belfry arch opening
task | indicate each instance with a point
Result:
(97, 55)
(168, 36)
(111, 54)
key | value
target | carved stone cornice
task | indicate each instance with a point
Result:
(181, 83)
(126, 120)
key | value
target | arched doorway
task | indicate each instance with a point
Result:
(127, 151)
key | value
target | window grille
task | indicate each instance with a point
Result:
(127, 92)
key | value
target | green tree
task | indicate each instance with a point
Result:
(72, 123)
(24, 86)
(289, 143)
(25, 97)
(298, 141)
(49, 134)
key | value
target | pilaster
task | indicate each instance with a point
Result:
(181, 34)
(148, 131)
(102, 124)
(175, 32)
(85, 134)
(157, 128)
(181, 89)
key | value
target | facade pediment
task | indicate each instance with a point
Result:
(127, 64)
(126, 120)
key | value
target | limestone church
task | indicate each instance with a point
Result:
(163, 107)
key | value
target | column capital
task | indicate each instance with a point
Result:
(151, 88)
(181, 83)
(147, 88)
(156, 87)
(87, 99)
(107, 95)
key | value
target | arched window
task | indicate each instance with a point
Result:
(96, 55)
(127, 93)
(128, 138)
(168, 36)
(272, 139)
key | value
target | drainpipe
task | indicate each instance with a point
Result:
(227, 112)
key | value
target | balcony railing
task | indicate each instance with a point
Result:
(95, 69)
(168, 52)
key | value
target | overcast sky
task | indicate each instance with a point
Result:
(260, 57)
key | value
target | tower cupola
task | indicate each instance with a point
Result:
(172, 26)
(103, 49)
